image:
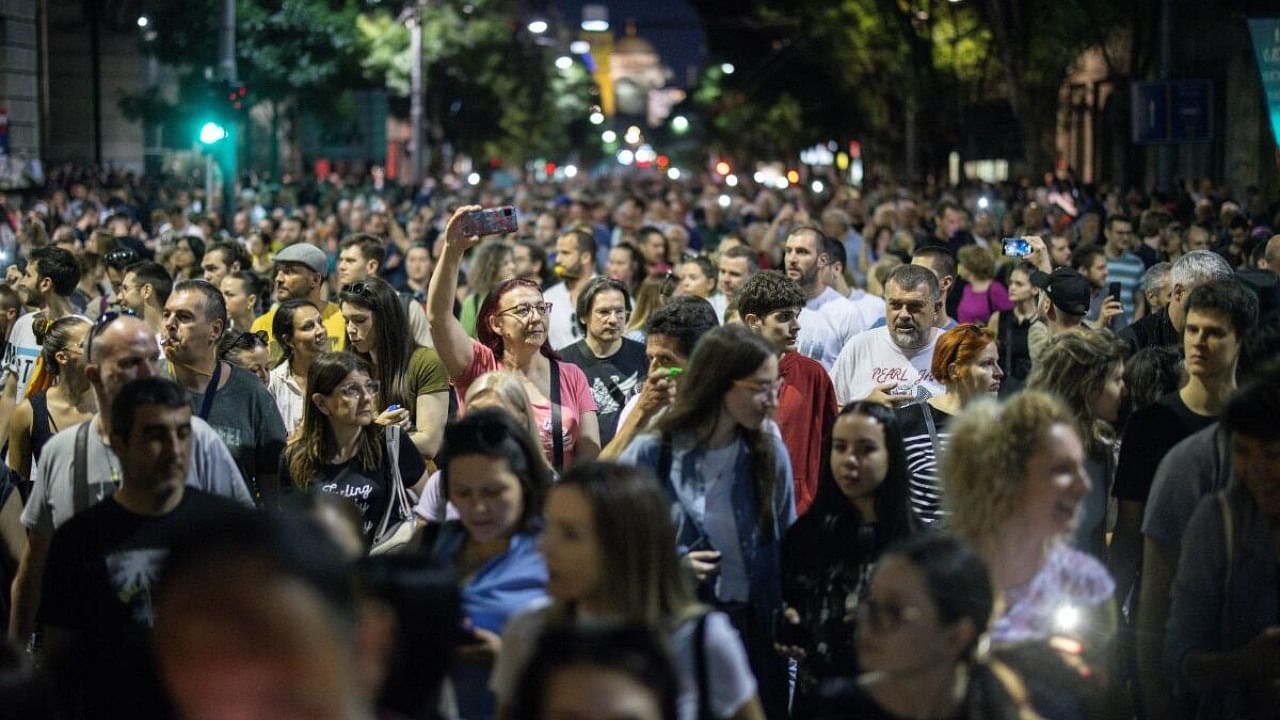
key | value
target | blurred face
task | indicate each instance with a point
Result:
(982, 377)
(487, 495)
(608, 316)
(802, 259)
(570, 263)
(1198, 238)
(1020, 287)
(1105, 403)
(619, 267)
(898, 628)
(239, 303)
(545, 229)
(157, 451)
(1056, 483)
(290, 232)
(125, 351)
(734, 273)
(29, 284)
(859, 459)
(780, 327)
(1210, 343)
(352, 266)
(256, 361)
(654, 248)
(570, 546)
(417, 264)
(523, 265)
(362, 331)
(694, 282)
(1256, 463)
(751, 399)
(953, 221)
(295, 280)
(188, 335)
(519, 319)
(664, 353)
(350, 404)
(1060, 251)
(1120, 236)
(581, 692)
(1096, 272)
(911, 315)
(214, 267)
(1158, 297)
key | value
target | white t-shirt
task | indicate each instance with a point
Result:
(871, 307)
(720, 304)
(288, 397)
(728, 673)
(21, 352)
(871, 359)
(818, 340)
(562, 326)
(843, 315)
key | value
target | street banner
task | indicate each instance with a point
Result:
(1266, 48)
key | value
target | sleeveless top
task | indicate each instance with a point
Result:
(42, 427)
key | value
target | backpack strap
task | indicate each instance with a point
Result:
(80, 469)
(557, 434)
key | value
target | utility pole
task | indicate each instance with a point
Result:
(418, 88)
(227, 71)
(1164, 154)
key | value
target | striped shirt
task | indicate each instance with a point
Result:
(1127, 269)
(923, 485)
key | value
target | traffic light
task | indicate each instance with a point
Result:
(212, 132)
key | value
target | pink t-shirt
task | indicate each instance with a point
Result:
(977, 307)
(575, 399)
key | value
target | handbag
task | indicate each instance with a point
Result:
(392, 538)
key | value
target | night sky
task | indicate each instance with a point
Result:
(673, 26)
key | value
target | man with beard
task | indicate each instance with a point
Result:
(829, 320)
(300, 272)
(614, 365)
(891, 364)
(576, 265)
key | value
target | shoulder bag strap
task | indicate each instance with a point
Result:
(557, 434)
(206, 406)
(700, 668)
(933, 433)
(80, 472)
(1229, 534)
(398, 499)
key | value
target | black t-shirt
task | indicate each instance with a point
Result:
(98, 583)
(1153, 329)
(370, 490)
(1150, 434)
(613, 379)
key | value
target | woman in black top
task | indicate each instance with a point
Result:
(827, 556)
(1012, 327)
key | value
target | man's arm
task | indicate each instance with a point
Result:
(1159, 564)
(1125, 552)
(25, 593)
(658, 392)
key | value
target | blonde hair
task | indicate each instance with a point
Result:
(510, 390)
(984, 466)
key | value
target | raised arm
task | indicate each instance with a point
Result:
(451, 340)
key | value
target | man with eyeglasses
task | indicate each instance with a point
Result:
(770, 305)
(229, 398)
(300, 271)
(614, 365)
(79, 468)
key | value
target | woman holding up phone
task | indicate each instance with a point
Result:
(511, 334)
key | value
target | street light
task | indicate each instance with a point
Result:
(609, 136)
(537, 27)
(679, 124)
(143, 21)
(596, 118)
(564, 62)
(211, 132)
(727, 68)
(579, 47)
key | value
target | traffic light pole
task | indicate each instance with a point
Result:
(227, 69)
(417, 81)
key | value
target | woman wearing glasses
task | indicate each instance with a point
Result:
(828, 555)
(730, 481)
(299, 329)
(920, 640)
(511, 334)
(966, 361)
(340, 450)
(491, 472)
(415, 390)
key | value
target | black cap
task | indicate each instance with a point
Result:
(1068, 289)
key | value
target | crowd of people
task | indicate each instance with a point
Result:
(669, 450)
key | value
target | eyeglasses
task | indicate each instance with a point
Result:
(762, 389)
(524, 311)
(120, 258)
(353, 391)
(885, 617)
(101, 324)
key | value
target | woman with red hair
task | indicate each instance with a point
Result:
(966, 359)
(511, 334)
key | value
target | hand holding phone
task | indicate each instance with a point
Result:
(1114, 291)
(1016, 247)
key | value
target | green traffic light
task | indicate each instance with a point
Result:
(212, 132)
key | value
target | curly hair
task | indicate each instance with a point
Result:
(984, 467)
(1074, 366)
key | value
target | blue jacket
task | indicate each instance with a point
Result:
(1223, 597)
(760, 553)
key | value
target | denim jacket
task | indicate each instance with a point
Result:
(760, 554)
(1217, 607)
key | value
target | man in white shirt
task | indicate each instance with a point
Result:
(575, 265)
(891, 364)
(807, 257)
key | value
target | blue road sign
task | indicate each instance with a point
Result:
(1172, 112)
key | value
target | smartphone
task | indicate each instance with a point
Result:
(1114, 291)
(787, 633)
(494, 221)
(1016, 247)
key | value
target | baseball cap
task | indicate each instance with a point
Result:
(305, 254)
(1068, 289)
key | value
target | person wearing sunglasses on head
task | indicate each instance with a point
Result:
(249, 351)
(729, 480)
(415, 389)
(511, 334)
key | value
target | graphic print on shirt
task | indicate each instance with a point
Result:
(906, 385)
(132, 573)
(609, 401)
(358, 493)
